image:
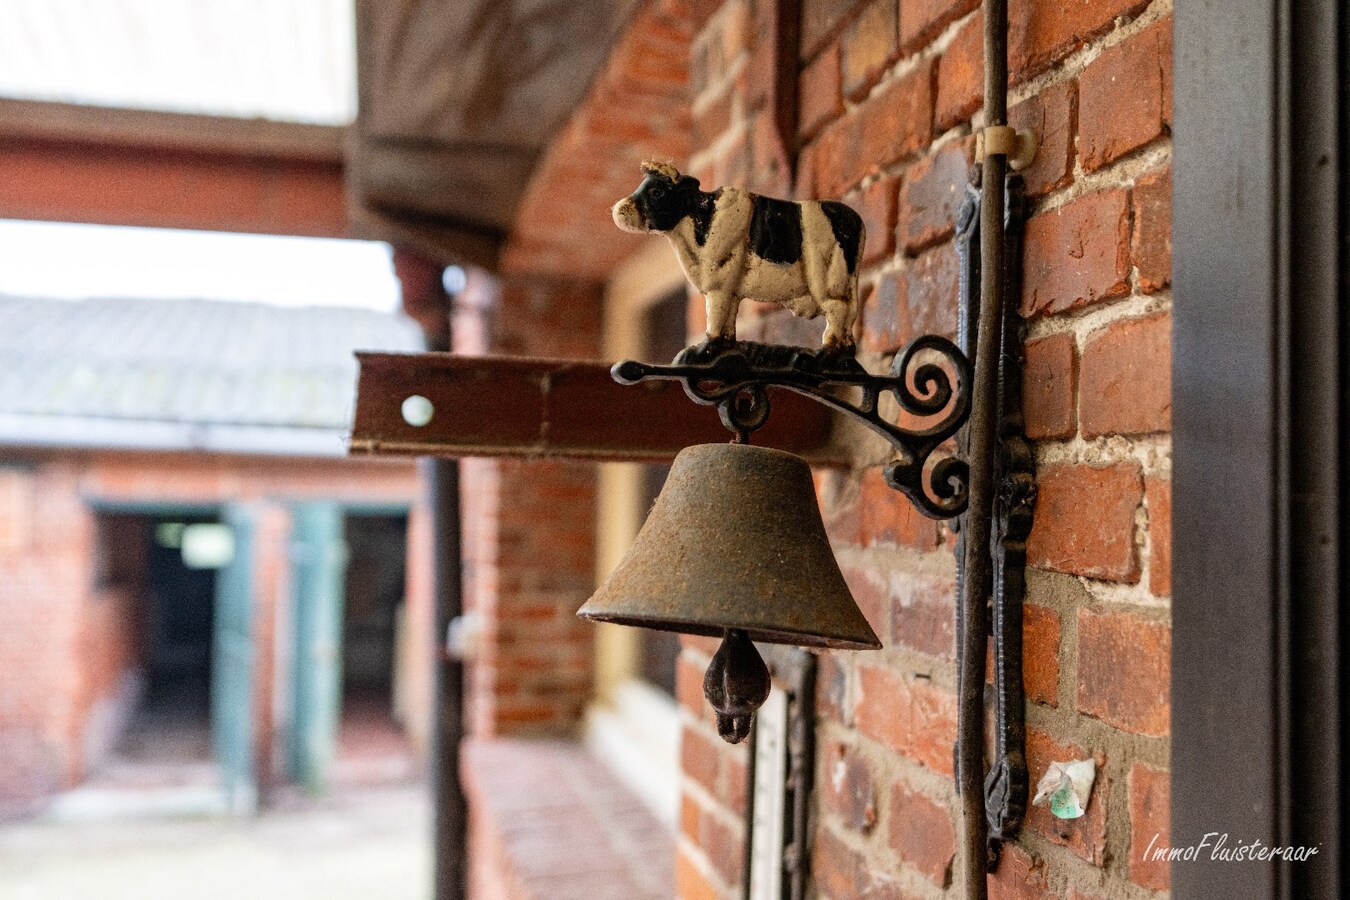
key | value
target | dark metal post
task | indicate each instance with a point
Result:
(451, 808)
(983, 422)
(425, 300)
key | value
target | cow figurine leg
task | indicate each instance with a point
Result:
(733, 245)
(721, 308)
(840, 318)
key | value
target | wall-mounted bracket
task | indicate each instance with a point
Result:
(500, 406)
(929, 379)
(1019, 146)
(1007, 782)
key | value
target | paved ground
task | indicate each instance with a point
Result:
(359, 844)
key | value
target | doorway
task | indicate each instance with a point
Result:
(172, 722)
(371, 735)
(169, 570)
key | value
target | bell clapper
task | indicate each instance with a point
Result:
(736, 684)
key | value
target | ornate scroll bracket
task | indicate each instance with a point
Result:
(930, 380)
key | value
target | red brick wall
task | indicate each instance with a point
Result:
(45, 574)
(74, 641)
(890, 91)
(529, 525)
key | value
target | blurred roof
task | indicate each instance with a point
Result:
(458, 99)
(185, 374)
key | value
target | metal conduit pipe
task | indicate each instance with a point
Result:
(978, 524)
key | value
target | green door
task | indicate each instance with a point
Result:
(232, 665)
(318, 569)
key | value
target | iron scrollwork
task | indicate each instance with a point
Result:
(929, 379)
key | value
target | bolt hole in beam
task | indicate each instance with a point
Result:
(417, 410)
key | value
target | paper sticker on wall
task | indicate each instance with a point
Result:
(1066, 786)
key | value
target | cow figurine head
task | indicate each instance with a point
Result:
(660, 202)
(733, 245)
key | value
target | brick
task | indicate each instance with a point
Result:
(712, 119)
(908, 715)
(1041, 34)
(738, 33)
(923, 20)
(768, 169)
(897, 122)
(849, 790)
(723, 847)
(1052, 115)
(877, 206)
(820, 93)
(689, 683)
(699, 758)
(1120, 103)
(843, 519)
(756, 80)
(1018, 876)
(882, 316)
(690, 814)
(834, 161)
(932, 194)
(737, 777)
(890, 519)
(705, 646)
(1040, 654)
(1123, 667)
(1085, 836)
(1158, 497)
(822, 19)
(869, 45)
(1085, 520)
(733, 165)
(924, 616)
(960, 90)
(1077, 254)
(932, 294)
(836, 868)
(921, 833)
(1150, 826)
(1126, 381)
(868, 587)
(833, 698)
(1151, 242)
(696, 315)
(1049, 387)
(778, 326)
(690, 882)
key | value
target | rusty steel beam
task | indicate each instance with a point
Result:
(247, 181)
(510, 406)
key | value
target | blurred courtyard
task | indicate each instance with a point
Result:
(358, 842)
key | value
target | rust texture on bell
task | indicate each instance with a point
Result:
(736, 684)
(735, 542)
(735, 548)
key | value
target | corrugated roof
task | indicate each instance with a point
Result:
(205, 366)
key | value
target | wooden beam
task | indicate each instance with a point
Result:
(505, 406)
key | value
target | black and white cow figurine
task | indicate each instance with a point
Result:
(734, 245)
